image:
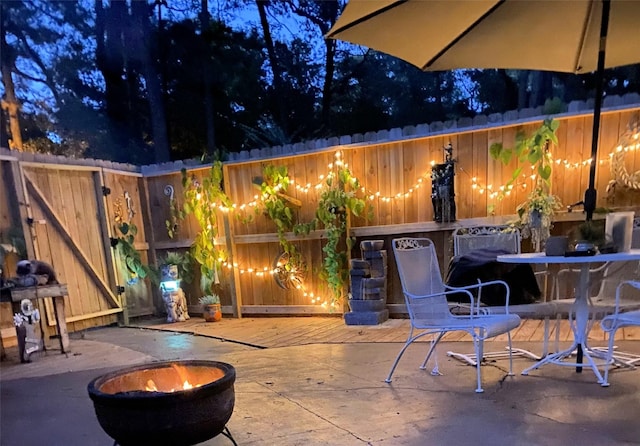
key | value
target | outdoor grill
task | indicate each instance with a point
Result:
(177, 403)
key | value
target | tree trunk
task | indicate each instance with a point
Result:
(273, 61)
(10, 103)
(209, 110)
(523, 83)
(150, 71)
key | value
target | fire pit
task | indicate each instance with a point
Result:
(177, 403)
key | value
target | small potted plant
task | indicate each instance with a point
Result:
(177, 266)
(211, 310)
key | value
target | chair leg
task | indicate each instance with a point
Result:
(432, 349)
(510, 354)
(404, 348)
(545, 341)
(393, 367)
(609, 358)
(478, 347)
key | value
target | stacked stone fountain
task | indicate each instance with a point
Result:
(368, 286)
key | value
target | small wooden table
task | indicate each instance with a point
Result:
(57, 293)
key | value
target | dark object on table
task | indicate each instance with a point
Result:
(581, 253)
(482, 265)
(36, 268)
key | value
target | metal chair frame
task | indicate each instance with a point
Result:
(425, 296)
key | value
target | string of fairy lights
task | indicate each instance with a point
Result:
(492, 192)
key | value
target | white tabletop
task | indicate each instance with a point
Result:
(541, 257)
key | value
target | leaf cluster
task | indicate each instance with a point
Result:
(183, 262)
(532, 150)
(209, 299)
(203, 199)
(338, 200)
(131, 257)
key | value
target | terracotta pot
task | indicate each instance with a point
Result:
(212, 312)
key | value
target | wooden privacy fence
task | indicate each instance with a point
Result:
(68, 212)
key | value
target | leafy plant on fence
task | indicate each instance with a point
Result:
(131, 257)
(204, 199)
(536, 212)
(338, 200)
(176, 214)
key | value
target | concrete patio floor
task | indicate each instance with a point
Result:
(330, 394)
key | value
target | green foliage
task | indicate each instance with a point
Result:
(591, 231)
(536, 212)
(209, 299)
(337, 202)
(203, 200)
(280, 210)
(131, 257)
(183, 262)
(532, 150)
(176, 215)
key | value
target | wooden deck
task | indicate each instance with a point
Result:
(271, 332)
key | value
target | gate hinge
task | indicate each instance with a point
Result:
(119, 289)
(105, 191)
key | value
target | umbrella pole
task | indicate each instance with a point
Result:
(590, 193)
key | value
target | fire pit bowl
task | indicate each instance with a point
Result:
(152, 404)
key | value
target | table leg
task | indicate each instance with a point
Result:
(581, 310)
(58, 311)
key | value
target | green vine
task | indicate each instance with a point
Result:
(203, 199)
(536, 212)
(532, 150)
(131, 257)
(176, 214)
(279, 207)
(337, 201)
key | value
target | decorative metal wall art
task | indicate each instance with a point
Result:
(442, 190)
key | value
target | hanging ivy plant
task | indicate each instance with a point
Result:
(203, 199)
(536, 212)
(176, 214)
(337, 201)
(131, 257)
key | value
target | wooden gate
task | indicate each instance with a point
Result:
(71, 223)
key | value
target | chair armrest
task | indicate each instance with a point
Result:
(480, 285)
(444, 293)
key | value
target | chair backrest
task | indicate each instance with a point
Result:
(622, 271)
(478, 237)
(420, 275)
(635, 237)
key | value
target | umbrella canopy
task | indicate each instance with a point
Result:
(549, 35)
(435, 35)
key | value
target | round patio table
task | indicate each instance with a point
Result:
(580, 305)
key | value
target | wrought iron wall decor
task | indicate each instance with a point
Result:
(442, 190)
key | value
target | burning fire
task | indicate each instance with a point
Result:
(181, 372)
(151, 387)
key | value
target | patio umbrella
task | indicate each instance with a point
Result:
(551, 35)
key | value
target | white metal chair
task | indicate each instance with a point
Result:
(488, 236)
(603, 285)
(507, 238)
(612, 323)
(425, 295)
